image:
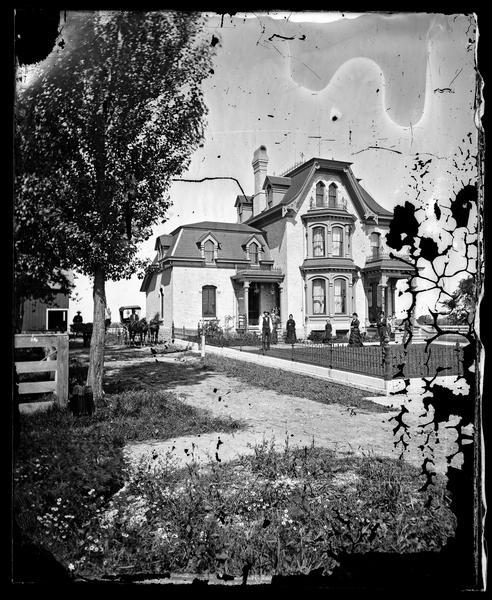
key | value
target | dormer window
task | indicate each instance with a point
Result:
(253, 251)
(332, 195)
(320, 194)
(209, 251)
(253, 254)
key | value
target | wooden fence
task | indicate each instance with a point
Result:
(60, 384)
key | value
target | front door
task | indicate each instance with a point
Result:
(253, 304)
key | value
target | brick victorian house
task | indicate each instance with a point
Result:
(311, 242)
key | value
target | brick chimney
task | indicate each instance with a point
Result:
(260, 164)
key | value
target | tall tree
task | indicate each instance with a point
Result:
(114, 116)
(463, 303)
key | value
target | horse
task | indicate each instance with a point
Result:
(139, 328)
(154, 329)
(85, 329)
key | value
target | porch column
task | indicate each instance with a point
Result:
(391, 291)
(367, 291)
(246, 304)
(383, 286)
(307, 311)
(280, 307)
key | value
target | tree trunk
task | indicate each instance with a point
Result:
(96, 355)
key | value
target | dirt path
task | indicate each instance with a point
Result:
(269, 415)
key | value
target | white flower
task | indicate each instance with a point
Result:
(71, 567)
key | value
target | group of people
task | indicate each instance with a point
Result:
(355, 337)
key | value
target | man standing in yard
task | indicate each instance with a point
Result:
(382, 326)
(266, 330)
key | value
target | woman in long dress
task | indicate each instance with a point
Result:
(355, 338)
(290, 337)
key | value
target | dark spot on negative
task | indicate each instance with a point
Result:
(215, 41)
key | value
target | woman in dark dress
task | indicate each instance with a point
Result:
(290, 337)
(328, 331)
(355, 337)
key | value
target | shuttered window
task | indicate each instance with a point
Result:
(208, 301)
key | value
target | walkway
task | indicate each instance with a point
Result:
(269, 415)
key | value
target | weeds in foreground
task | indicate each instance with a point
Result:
(67, 468)
(274, 512)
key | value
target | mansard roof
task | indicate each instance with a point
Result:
(277, 181)
(216, 226)
(163, 240)
(300, 176)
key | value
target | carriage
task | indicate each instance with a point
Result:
(137, 327)
(126, 322)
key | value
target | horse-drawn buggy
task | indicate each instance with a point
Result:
(134, 326)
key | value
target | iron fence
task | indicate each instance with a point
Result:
(389, 362)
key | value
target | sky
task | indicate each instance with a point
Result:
(381, 91)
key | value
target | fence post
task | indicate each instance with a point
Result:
(458, 357)
(203, 343)
(62, 370)
(184, 332)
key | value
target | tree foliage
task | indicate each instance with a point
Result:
(110, 121)
(112, 118)
(463, 303)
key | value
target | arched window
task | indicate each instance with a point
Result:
(375, 244)
(320, 194)
(209, 251)
(161, 297)
(332, 195)
(337, 241)
(253, 253)
(340, 296)
(319, 241)
(208, 301)
(269, 195)
(319, 297)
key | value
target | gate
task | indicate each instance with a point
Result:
(60, 385)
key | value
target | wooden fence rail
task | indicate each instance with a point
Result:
(60, 385)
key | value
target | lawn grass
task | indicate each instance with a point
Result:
(67, 468)
(278, 512)
(293, 384)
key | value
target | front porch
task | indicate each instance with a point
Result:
(257, 290)
(381, 275)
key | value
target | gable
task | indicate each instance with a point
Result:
(359, 201)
